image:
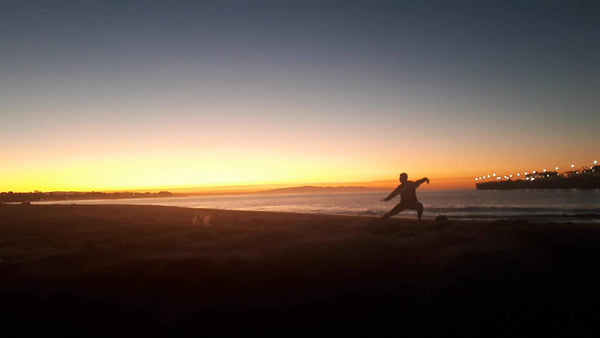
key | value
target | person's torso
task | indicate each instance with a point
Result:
(408, 192)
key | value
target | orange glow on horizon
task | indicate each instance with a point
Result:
(78, 179)
(224, 174)
(245, 162)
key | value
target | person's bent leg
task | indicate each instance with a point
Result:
(419, 210)
(398, 208)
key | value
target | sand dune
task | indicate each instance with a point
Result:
(151, 270)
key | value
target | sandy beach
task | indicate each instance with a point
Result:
(155, 271)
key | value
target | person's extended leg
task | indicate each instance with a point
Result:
(419, 210)
(398, 208)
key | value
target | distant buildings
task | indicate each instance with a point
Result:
(74, 195)
(584, 178)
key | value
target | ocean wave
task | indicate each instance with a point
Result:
(515, 210)
(567, 205)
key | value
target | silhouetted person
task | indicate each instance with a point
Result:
(408, 197)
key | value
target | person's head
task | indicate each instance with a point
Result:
(403, 178)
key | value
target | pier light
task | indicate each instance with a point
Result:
(595, 162)
(544, 170)
(476, 178)
(510, 175)
(555, 168)
(572, 166)
(494, 175)
(526, 173)
(534, 171)
(533, 179)
(518, 174)
(497, 178)
(488, 176)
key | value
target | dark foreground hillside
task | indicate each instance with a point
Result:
(71, 270)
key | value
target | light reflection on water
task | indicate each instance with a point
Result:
(541, 204)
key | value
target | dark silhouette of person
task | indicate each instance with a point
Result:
(408, 197)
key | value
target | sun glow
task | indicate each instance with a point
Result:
(179, 172)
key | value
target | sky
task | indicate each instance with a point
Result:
(125, 95)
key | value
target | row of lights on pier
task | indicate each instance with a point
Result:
(497, 177)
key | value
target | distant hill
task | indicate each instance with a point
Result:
(12, 197)
(309, 189)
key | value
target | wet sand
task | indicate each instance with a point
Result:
(155, 271)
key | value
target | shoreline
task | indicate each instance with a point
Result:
(587, 217)
(93, 270)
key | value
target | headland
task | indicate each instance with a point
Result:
(576, 179)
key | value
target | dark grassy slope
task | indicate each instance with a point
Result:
(147, 270)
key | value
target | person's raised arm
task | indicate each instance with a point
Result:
(392, 195)
(424, 179)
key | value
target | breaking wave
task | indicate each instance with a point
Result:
(556, 205)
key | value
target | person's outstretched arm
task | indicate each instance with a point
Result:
(393, 194)
(424, 179)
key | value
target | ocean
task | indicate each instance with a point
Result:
(558, 205)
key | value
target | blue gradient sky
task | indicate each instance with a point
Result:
(107, 95)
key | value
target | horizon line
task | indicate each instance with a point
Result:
(250, 188)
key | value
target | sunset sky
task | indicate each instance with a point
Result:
(111, 95)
